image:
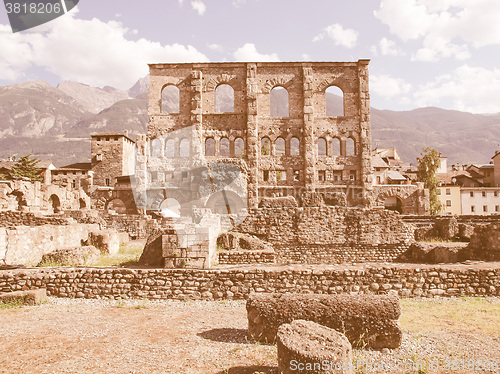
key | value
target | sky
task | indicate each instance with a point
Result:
(441, 53)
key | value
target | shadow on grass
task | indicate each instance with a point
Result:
(226, 335)
(250, 370)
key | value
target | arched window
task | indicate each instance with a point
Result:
(156, 148)
(336, 147)
(321, 147)
(265, 147)
(294, 146)
(279, 102)
(239, 147)
(224, 99)
(224, 147)
(279, 146)
(184, 148)
(210, 147)
(334, 101)
(350, 147)
(170, 99)
(170, 148)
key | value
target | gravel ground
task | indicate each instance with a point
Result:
(190, 337)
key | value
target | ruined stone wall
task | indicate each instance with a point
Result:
(24, 245)
(15, 218)
(329, 234)
(251, 121)
(116, 283)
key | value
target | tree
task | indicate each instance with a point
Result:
(427, 167)
(26, 167)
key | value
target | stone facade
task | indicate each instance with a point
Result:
(115, 283)
(299, 157)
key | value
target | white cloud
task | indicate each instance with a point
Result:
(340, 36)
(249, 53)
(216, 47)
(238, 3)
(88, 51)
(386, 47)
(199, 6)
(389, 87)
(446, 27)
(468, 88)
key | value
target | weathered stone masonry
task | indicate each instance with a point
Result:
(115, 283)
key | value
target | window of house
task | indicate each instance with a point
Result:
(485, 208)
(321, 175)
(239, 147)
(448, 191)
(224, 147)
(296, 175)
(497, 208)
(448, 202)
(438, 191)
(472, 208)
(224, 99)
(279, 147)
(170, 99)
(107, 181)
(210, 147)
(280, 175)
(471, 194)
(352, 175)
(350, 147)
(336, 146)
(484, 193)
(495, 193)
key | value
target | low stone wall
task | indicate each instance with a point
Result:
(246, 257)
(405, 280)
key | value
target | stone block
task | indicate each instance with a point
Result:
(77, 256)
(365, 319)
(308, 347)
(29, 297)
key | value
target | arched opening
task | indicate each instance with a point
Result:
(225, 202)
(265, 146)
(55, 202)
(321, 147)
(116, 206)
(224, 147)
(184, 148)
(224, 99)
(170, 208)
(336, 147)
(156, 148)
(83, 204)
(279, 146)
(209, 147)
(279, 103)
(239, 147)
(393, 203)
(350, 147)
(294, 146)
(334, 101)
(170, 99)
(170, 148)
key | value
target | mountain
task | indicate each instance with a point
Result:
(34, 109)
(93, 99)
(129, 114)
(462, 137)
(141, 86)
